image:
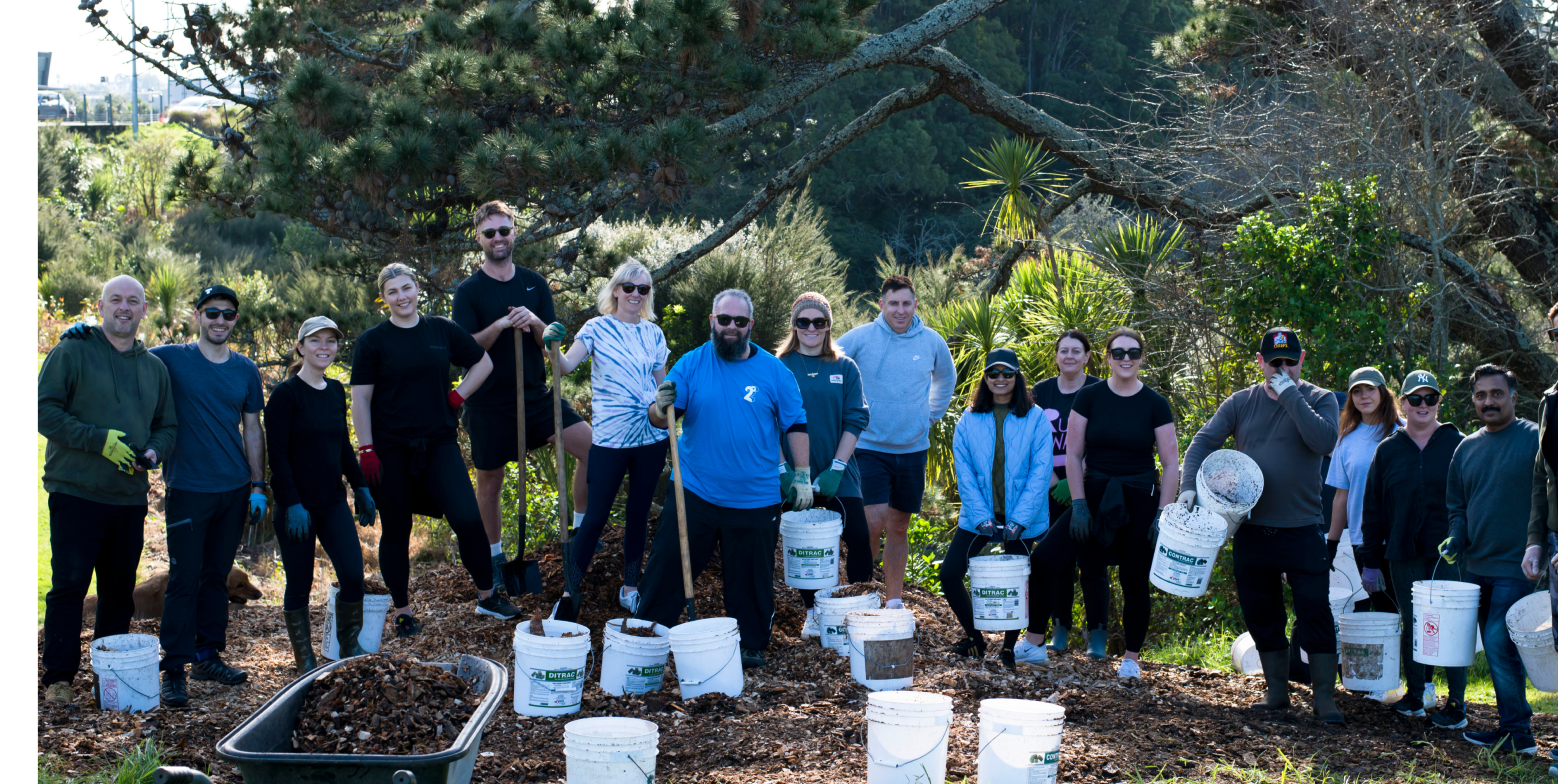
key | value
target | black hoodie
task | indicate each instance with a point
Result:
(1404, 514)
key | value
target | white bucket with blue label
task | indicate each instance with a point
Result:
(999, 589)
(1186, 550)
(631, 663)
(550, 668)
(811, 547)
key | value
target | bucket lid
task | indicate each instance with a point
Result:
(703, 627)
(908, 701)
(811, 517)
(611, 728)
(1340, 594)
(1016, 564)
(1229, 482)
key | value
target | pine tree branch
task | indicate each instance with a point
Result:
(205, 68)
(169, 72)
(334, 44)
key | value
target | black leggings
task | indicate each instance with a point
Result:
(643, 466)
(857, 544)
(1131, 550)
(441, 471)
(954, 567)
(333, 527)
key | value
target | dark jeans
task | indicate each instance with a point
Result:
(746, 538)
(954, 567)
(1509, 674)
(1066, 573)
(642, 465)
(1552, 580)
(441, 470)
(857, 544)
(1131, 549)
(1403, 572)
(334, 527)
(203, 533)
(1261, 555)
(86, 536)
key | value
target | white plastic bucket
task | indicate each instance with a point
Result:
(550, 671)
(1530, 624)
(1019, 741)
(611, 750)
(831, 613)
(1245, 658)
(1341, 603)
(1370, 648)
(708, 657)
(126, 667)
(631, 664)
(374, 608)
(1229, 483)
(811, 548)
(881, 649)
(906, 737)
(1000, 591)
(1444, 622)
(1186, 551)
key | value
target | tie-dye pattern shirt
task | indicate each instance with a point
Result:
(624, 358)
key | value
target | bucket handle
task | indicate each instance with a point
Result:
(939, 741)
(881, 664)
(712, 675)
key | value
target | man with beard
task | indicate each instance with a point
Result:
(734, 400)
(495, 303)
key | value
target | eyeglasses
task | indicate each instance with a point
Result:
(741, 321)
(1121, 353)
(1282, 362)
(227, 314)
(501, 230)
(994, 373)
(806, 323)
(627, 288)
(1430, 399)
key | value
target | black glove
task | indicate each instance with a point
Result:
(1330, 553)
(1156, 516)
(1081, 522)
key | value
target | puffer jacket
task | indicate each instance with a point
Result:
(1029, 458)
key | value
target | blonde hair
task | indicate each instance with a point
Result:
(394, 270)
(811, 300)
(606, 302)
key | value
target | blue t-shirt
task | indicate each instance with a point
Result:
(624, 358)
(211, 399)
(736, 412)
(1350, 471)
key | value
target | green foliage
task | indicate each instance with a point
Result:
(1020, 170)
(135, 767)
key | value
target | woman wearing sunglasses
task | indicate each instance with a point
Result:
(1116, 430)
(1002, 452)
(629, 354)
(405, 416)
(836, 415)
(1368, 417)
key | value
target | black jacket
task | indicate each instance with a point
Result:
(1544, 479)
(1404, 515)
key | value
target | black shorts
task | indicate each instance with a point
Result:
(494, 432)
(895, 480)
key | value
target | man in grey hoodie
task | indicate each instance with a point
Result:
(908, 377)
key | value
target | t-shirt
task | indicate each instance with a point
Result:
(409, 370)
(211, 399)
(624, 358)
(1120, 437)
(480, 300)
(835, 404)
(735, 414)
(998, 412)
(1350, 471)
(308, 444)
(1056, 406)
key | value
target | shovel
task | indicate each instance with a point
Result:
(681, 515)
(512, 570)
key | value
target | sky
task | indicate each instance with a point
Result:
(81, 52)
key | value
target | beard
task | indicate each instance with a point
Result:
(499, 256)
(729, 350)
(205, 332)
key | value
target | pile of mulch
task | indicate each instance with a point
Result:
(383, 705)
(800, 719)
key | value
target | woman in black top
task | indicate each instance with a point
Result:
(1114, 431)
(310, 451)
(404, 414)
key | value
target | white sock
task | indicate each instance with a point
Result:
(497, 549)
(578, 519)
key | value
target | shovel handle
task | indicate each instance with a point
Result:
(519, 406)
(557, 443)
(681, 509)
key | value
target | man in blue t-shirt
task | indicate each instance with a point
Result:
(734, 399)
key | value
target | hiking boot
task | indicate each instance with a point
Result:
(299, 634)
(1274, 665)
(1129, 668)
(348, 627)
(1410, 705)
(970, 647)
(1322, 680)
(495, 605)
(1097, 642)
(406, 626)
(1451, 717)
(1058, 638)
(175, 690)
(214, 669)
(1028, 653)
(752, 658)
(811, 628)
(1506, 742)
(1008, 659)
(60, 693)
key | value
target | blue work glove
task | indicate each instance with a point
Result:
(365, 507)
(1373, 580)
(78, 331)
(1081, 523)
(298, 522)
(256, 507)
(987, 528)
(1449, 549)
(1061, 492)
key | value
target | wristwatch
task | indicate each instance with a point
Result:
(258, 484)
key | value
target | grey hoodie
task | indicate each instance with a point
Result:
(908, 381)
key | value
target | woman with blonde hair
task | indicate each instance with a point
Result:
(629, 354)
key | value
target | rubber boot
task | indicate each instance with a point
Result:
(1058, 638)
(1274, 665)
(1322, 667)
(299, 635)
(348, 624)
(1097, 640)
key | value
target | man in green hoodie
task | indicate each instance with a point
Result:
(105, 405)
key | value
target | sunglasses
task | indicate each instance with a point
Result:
(1552, 334)
(741, 321)
(1122, 353)
(1282, 362)
(999, 373)
(227, 314)
(806, 323)
(643, 291)
(501, 230)
(1430, 399)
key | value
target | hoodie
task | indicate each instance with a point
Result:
(908, 381)
(86, 388)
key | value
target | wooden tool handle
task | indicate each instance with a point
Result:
(681, 503)
(519, 406)
(557, 443)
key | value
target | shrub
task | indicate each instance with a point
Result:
(70, 286)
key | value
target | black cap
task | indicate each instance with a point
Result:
(216, 290)
(1001, 356)
(1280, 342)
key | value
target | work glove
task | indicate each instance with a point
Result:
(800, 489)
(256, 506)
(371, 467)
(298, 522)
(456, 399)
(365, 507)
(118, 452)
(1281, 382)
(665, 396)
(986, 528)
(1449, 549)
(786, 478)
(1331, 546)
(1061, 492)
(1532, 563)
(1011, 532)
(1188, 498)
(1373, 580)
(78, 331)
(827, 485)
(555, 332)
(1081, 523)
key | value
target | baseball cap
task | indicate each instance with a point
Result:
(1001, 357)
(217, 290)
(316, 324)
(1366, 375)
(1280, 342)
(1418, 379)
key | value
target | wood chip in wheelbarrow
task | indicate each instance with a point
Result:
(383, 705)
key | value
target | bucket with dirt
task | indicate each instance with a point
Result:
(831, 611)
(1019, 741)
(374, 607)
(1186, 551)
(811, 547)
(633, 658)
(999, 586)
(881, 648)
(550, 667)
(1229, 483)
(906, 737)
(611, 750)
(1444, 622)
(1370, 648)
(1530, 624)
(126, 669)
(708, 657)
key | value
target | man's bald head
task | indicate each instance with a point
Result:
(121, 309)
(124, 284)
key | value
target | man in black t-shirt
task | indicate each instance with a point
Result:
(498, 299)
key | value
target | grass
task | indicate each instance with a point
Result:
(135, 767)
(45, 572)
(1500, 767)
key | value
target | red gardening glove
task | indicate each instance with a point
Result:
(455, 401)
(369, 459)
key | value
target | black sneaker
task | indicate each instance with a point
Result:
(1410, 705)
(214, 669)
(970, 646)
(497, 606)
(1451, 717)
(406, 626)
(1009, 659)
(175, 690)
(1509, 743)
(752, 658)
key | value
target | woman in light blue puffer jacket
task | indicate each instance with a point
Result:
(1003, 452)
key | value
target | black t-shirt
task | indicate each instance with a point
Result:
(409, 371)
(1120, 441)
(1056, 406)
(480, 300)
(308, 444)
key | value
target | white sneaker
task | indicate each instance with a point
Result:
(1129, 669)
(1027, 653)
(1379, 696)
(811, 628)
(894, 604)
(1430, 698)
(629, 601)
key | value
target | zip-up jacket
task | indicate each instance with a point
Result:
(1404, 512)
(908, 379)
(1544, 473)
(1029, 452)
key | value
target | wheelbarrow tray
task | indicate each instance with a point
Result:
(261, 745)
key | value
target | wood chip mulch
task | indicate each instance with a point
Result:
(383, 705)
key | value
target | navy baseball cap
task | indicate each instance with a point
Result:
(1001, 357)
(216, 290)
(1280, 342)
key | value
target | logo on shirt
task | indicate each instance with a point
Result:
(748, 396)
(835, 379)
(915, 358)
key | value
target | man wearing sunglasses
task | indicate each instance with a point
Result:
(1287, 426)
